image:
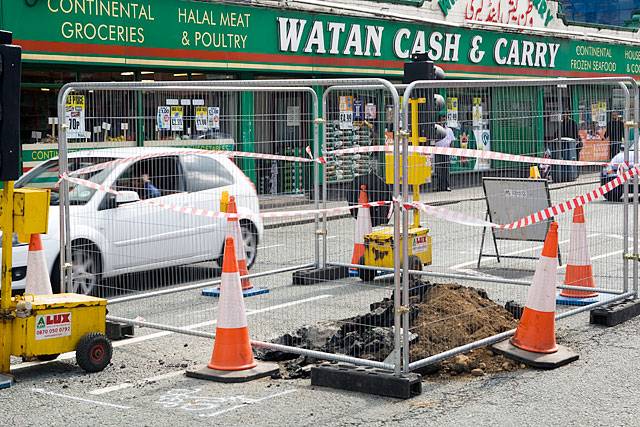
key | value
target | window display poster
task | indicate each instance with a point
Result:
(452, 112)
(163, 118)
(213, 117)
(370, 111)
(293, 115)
(358, 112)
(602, 114)
(477, 112)
(346, 120)
(201, 119)
(346, 103)
(74, 116)
(177, 118)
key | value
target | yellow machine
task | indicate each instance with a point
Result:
(43, 326)
(379, 245)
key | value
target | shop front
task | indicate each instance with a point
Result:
(97, 40)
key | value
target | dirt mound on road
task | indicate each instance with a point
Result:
(453, 315)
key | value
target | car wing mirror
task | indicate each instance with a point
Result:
(127, 197)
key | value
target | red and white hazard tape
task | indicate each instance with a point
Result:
(465, 152)
(124, 160)
(435, 211)
(534, 218)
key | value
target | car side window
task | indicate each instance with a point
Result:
(205, 173)
(154, 177)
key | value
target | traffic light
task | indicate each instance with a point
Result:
(10, 64)
(428, 112)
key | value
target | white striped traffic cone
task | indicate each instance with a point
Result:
(38, 280)
(232, 357)
(579, 270)
(363, 226)
(534, 342)
(232, 346)
(536, 331)
(234, 230)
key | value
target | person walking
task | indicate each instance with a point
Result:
(442, 161)
(615, 133)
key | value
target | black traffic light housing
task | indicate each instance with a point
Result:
(10, 71)
(422, 69)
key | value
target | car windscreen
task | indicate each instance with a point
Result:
(47, 175)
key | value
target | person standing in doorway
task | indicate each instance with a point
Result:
(569, 129)
(442, 161)
(615, 133)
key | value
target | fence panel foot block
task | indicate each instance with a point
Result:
(615, 313)
(319, 275)
(367, 380)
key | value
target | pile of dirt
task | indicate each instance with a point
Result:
(442, 317)
(453, 315)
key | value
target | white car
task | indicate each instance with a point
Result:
(113, 235)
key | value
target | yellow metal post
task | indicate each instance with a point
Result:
(6, 220)
(415, 141)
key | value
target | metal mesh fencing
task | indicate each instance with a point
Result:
(140, 221)
(283, 147)
(590, 121)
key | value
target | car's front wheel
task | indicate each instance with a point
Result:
(250, 239)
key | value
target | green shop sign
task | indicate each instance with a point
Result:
(208, 36)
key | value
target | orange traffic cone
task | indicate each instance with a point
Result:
(232, 347)
(234, 230)
(579, 271)
(232, 357)
(536, 331)
(38, 280)
(363, 226)
(534, 342)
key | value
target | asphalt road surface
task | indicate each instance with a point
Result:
(146, 385)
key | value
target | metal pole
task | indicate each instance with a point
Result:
(636, 118)
(6, 317)
(625, 225)
(316, 177)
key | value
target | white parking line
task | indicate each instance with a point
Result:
(251, 402)
(136, 340)
(601, 256)
(271, 246)
(79, 399)
(521, 251)
(117, 387)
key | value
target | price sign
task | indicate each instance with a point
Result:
(74, 116)
(346, 120)
(213, 117)
(163, 119)
(177, 118)
(452, 112)
(201, 119)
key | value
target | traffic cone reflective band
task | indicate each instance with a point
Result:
(38, 280)
(536, 331)
(235, 231)
(232, 347)
(363, 226)
(579, 270)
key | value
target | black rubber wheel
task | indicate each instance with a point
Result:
(93, 352)
(47, 357)
(365, 275)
